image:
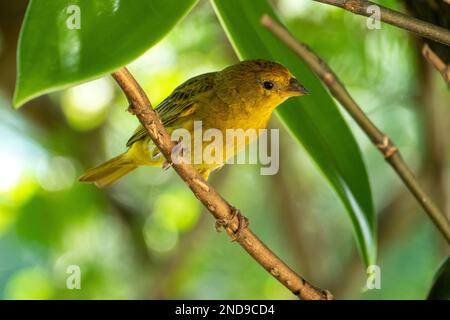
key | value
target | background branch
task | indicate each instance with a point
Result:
(380, 140)
(398, 19)
(436, 62)
(219, 208)
(392, 226)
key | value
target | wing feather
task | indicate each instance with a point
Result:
(181, 103)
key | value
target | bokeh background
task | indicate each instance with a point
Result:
(148, 237)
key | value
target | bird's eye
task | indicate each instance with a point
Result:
(268, 85)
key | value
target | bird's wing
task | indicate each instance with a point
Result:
(181, 103)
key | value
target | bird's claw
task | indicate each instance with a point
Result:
(243, 223)
(166, 165)
(177, 155)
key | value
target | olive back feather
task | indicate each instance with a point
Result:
(180, 103)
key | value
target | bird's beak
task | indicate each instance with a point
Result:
(296, 89)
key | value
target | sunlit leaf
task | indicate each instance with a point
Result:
(64, 42)
(314, 120)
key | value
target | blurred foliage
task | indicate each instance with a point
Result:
(73, 53)
(132, 241)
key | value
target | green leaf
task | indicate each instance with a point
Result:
(314, 120)
(54, 53)
(440, 290)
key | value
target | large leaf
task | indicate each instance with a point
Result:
(440, 289)
(54, 53)
(314, 120)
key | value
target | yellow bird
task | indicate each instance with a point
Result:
(241, 96)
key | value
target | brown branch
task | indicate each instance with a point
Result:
(398, 19)
(219, 208)
(437, 62)
(379, 139)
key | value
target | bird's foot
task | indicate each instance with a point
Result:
(166, 165)
(176, 156)
(243, 223)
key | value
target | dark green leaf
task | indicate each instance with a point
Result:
(440, 289)
(54, 53)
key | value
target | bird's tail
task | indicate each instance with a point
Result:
(109, 171)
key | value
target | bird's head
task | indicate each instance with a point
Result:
(262, 82)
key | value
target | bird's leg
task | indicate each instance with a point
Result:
(166, 165)
(243, 223)
(131, 109)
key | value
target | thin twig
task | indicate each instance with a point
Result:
(379, 139)
(293, 217)
(219, 208)
(437, 62)
(392, 226)
(398, 19)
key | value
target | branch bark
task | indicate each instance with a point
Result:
(216, 205)
(398, 19)
(379, 139)
(436, 62)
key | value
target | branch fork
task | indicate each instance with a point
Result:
(417, 26)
